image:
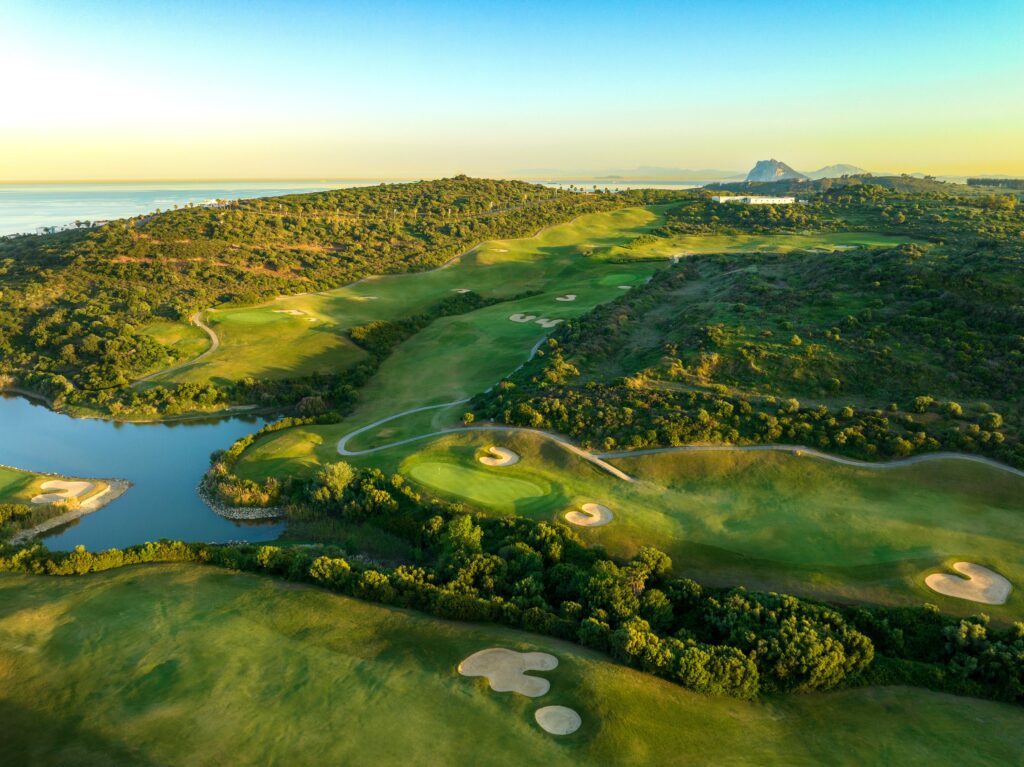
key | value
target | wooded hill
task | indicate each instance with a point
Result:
(71, 304)
(877, 353)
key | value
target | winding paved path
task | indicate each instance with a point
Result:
(557, 439)
(601, 459)
(195, 319)
(800, 450)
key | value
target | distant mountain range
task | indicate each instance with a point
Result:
(776, 170)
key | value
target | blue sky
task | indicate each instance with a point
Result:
(109, 89)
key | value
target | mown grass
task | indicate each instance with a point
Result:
(300, 335)
(765, 520)
(17, 486)
(187, 665)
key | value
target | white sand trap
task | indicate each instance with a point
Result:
(461, 290)
(505, 670)
(567, 297)
(61, 491)
(980, 585)
(500, 250)
(625, 287)
(499, 456)
(544, 322)
(593, 515)
(523, 317)
(312, 319)
(293, 312)
(558, 720)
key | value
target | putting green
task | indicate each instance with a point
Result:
(769, 520)
(190, 665)
(484, 487)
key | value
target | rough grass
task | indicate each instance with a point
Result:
(186, 665)
(765, 520)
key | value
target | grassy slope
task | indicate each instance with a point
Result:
(206, 667)
(765, 520)
(459, 356)
(17, 486)
(266, 341)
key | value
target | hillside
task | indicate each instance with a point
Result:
(81, 313)
(836, 171)
(871, 352)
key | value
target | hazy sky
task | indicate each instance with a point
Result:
(220, 89)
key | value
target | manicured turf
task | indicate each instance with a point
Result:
(188, 340)
(17, 486)
(187, 665)
(303, 334)
(765, 520)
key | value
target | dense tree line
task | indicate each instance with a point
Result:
(540, 577)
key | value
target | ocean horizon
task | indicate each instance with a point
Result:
(24, 207)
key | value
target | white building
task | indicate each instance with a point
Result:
(755, 199)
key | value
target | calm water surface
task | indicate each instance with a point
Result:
(164, 461)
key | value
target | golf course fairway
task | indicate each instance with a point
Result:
(766, 520)
(206, 667)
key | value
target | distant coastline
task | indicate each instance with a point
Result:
(29, 206)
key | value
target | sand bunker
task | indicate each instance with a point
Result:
(293, 312)
(544, 322)
(567, 297)
(625, 287)
(61, 490)
(558, 720)
(980, 585)
(593, 515)
(499, 456)
(505, 670)
(523, 317)
(461, 290)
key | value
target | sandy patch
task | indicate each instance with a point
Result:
(523, 317)
(461, 290)
(60, 490)
(980, 585)
(544, 322)
(567, 297)
(293, 312)
(593, 515)
(499, 250)
(625, 287)
(558, 720)
(499, 456)
(505, 670)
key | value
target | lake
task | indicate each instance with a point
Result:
(163, 461)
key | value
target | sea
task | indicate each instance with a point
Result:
(26, 207)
